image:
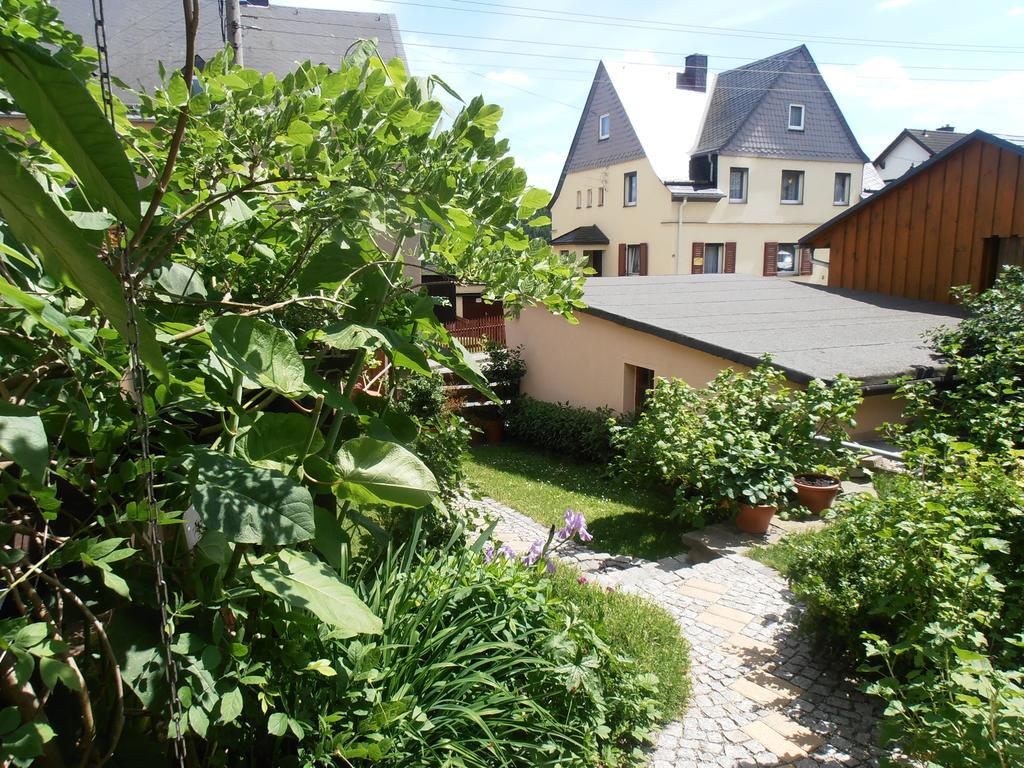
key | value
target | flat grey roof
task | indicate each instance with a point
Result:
(811, 332)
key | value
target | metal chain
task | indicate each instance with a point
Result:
(138, 392)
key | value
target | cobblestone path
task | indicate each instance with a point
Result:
(759, 696)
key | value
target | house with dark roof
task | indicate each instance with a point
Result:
(692, 327)
(141, 34)
(674, 170)
(913, 147)
(956, 219)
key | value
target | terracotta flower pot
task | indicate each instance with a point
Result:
(816, 492)
(755, 519)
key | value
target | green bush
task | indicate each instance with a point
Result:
(926, 584)
(742, 438)
(561, 428)
(478, 665)
(633, 627)
(984, 403)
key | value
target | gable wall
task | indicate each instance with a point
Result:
(901, 158)
(766, 132)
(928, 235)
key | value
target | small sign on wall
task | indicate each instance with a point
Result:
(698, 262)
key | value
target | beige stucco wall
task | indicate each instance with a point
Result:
(586, 364)
(655, 219)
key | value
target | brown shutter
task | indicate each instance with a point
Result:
(805, 261)
(697, 259)
(771, 259)
(730, 258)
(643, 258)
(622, 259)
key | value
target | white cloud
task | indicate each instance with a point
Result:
(1016, 11)
(880, 98)
(510, 77)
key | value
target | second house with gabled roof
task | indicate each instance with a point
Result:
(675, 171)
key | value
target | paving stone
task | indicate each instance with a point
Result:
(707, 586)
(731, 613)
(794, 732)
(720, 621)
(774, 742)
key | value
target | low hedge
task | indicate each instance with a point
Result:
(565, 429)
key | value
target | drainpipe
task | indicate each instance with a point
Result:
(679, 239)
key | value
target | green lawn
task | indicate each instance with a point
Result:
(624, 520)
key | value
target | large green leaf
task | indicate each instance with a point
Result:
(23, 438)
(307, 583)
(275, 440)
(247, 504)
(380, 472)
(404, 353)
(36, 221)
(64, 114)
(264, 353)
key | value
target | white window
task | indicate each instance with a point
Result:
(841, 196)
(796, 117)
(792, 187)
(629, 188)
(590, 198)
(600, 196)
(579, 198)
(788, 261)
(604, 127)
(632, 259)
(714, 261)
(737, 185)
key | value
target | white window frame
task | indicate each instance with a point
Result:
(604, 127)
(579, 198)
(626, 189)
(800, 188)
(789, 117)
(600, 197)
(721, 258)
(849, 189)
(632, 259)
(745, 172)
(590, 198)
(796, 260)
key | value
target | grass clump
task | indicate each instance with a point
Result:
(634, 627)
(627, 520)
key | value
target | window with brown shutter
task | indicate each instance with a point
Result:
(730, 258)
(771, 259)
(622, 259)
(643, 258)
(805, 261)
(697, 259)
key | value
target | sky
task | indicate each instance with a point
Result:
(891, 64)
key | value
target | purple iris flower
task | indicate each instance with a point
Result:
(575, 524)
(534, 553)
(507, 552)
(488, 552)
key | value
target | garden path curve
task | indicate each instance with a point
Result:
(759, 696)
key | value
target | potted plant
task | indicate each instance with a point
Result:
(816, 490)
(758, 480)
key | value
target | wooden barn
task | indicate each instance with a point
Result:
(954, 220)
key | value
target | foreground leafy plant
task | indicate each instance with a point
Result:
(260, 271)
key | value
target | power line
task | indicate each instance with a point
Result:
(661, 23)
(593, 60)
(761, 36)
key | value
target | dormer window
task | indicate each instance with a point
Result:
(796, 117)
(604, 127)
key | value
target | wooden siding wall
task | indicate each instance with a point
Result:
(928, 235)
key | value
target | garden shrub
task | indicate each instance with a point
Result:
(562, 428)
(925, 584)
(742, 438)
(634, 627)
(478, 665)
(984, 403)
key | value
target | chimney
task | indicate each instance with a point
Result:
(947, 128)
(695, 76)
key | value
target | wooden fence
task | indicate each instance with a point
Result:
(476, 332)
